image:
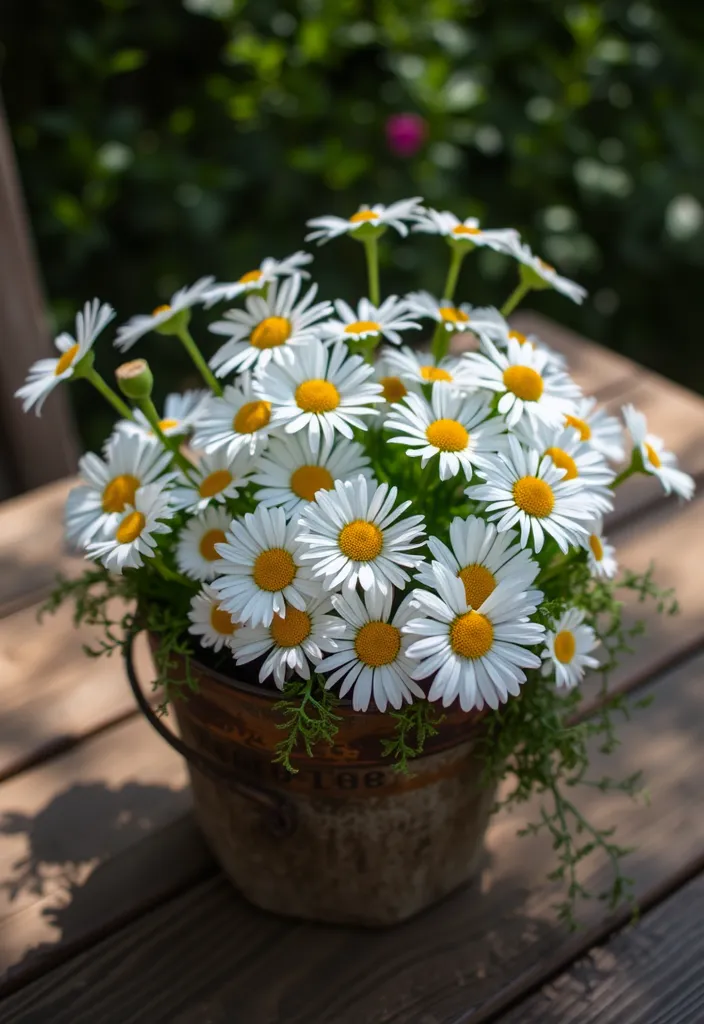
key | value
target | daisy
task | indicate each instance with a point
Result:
(254, 280)
(477, 654)
(214, 627)
(394, 388)
(267, 328)
(323, 391)
(290, 474)
(371, 658)
(576, 458)
(217, 478)
(656, 460)
(239, 421)
(196, 555)
(417, 367)
(261, 568)
(351, 534)
(442, 311)
(526, 382)
(523, 489)
(181, 414)
(133, 537)
(377, 216)
(567, 648)
(109, 485)
(468, 232)
(452, 426)
(292, 643)
(539, 274)
(368, 321)
(604, 432)
(600, 555)
(482, 558)
(179, 302)
(489, 323)
(45, 374)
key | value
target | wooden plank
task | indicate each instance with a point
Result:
(650, 971)
(209, 956)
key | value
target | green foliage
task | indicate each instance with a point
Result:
(414, 724)
(309, 713)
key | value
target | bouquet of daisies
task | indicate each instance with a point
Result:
(399, 502)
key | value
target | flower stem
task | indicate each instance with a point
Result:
(515, 297)
(107, 392)
(624, 476)
(200, 363)
(371, 250)
(169, 443)
(164, 571)
(441, 338)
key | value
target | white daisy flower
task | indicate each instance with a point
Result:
(217, 478)
(267, 328)
(254, 280)
(368, 321)
(455, 427)
(239, 421)
(442, 311)
(45, 374)
(133, 538)
(323, 391)
(489, 323)
(262, 571)
(526, 381)
(393, 386)
(603, 432)
(524, 490)
(542, 275)
(110, 485)
(182, 300)
(180, 415)
(656, 460)
(290, 474)
(575, 457)
(418, 368)
(196, 554)
(292, 643)
(600, 555)
(446, 224)
(378, 216)
(567, 648)
(353, 533)
(213, 626)
(477, 654)
(371, 657)
(482, 558)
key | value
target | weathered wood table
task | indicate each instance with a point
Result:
(112, 910)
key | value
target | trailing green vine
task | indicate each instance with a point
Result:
(309, 718)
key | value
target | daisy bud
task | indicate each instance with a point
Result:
(135, 379)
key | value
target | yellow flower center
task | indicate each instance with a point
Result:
(434, 373)
(362, 327)
(361, 541)
(563, 461)
(130, 528)
(317, 396)
(164, 308)
(451, 315)
(463, 229)
(597, 547)
(252, 417)
(534, 496)
(547, 267)
(653, 456)
(447, 435)
(120, 491)
(292, 630)
(471, 635)
(363, 215)
(274, 569)
(524, 382)
(208, 542)
(565, 646)
(306, 481)
(214, 483)
(479, 583)
(221, 621)
(377, 643)
(251, 276)
(585, 431)
(167, 424)
(517, 336)
(270, 333)
(394, 388)
(65, 360)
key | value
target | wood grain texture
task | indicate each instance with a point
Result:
(651, 971)
(207, 956)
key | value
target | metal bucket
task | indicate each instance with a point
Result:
(347, 839)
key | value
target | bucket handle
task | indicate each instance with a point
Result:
(277, 812)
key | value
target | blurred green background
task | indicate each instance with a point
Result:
(160, 141)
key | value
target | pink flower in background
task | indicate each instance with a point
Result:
(406, 133)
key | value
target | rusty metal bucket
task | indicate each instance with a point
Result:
(347, 839)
